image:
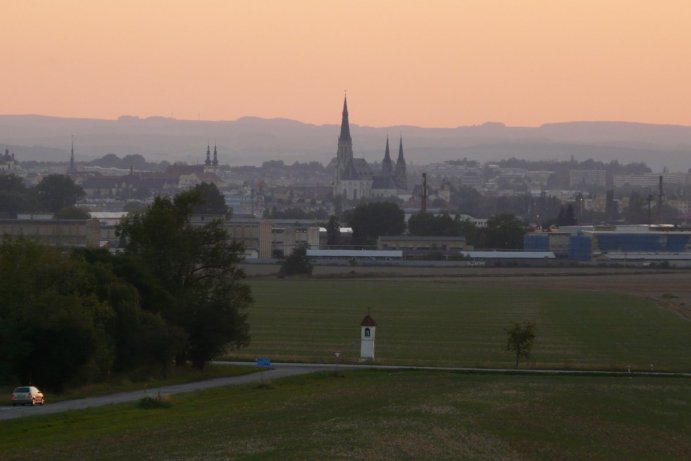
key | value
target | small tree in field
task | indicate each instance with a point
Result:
(296, 264)
(520, 338)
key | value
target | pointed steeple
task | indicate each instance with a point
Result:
(208, 155)
(400, 174)
(387, 164)
(215, 161)
(344, 154)
(345, 125)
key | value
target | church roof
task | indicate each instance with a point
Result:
(362, 167)
(350, 172)
(384, 182)
(184, 169)
(368, 322)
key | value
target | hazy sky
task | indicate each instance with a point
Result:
(426, 63)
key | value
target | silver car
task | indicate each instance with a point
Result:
(27, 395)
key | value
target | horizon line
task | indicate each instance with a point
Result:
(488, 123)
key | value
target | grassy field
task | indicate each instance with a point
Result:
(462, 324)
(381, 415)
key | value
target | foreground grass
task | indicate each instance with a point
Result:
(126, 383)
(381, 415)
(459, 324)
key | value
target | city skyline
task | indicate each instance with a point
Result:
(429, 64)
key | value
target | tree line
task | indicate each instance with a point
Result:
(56, 193)
(173, 295)
(372, 220)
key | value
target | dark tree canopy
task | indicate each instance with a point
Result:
(52, 328)
(520, 338)
(333, 231)
(57, 191)
(14, 196)
(297, 263)
(567, 216)
(197, 267)
(73, 318)
(371, 220)
(427, 224)
(504, 231)
(211, 201)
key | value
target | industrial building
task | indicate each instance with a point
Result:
(616, 244)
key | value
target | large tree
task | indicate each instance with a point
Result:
(211, 201)
(504, 231)
(429, 224)
(53, 328)
(333, 231)
(297, 263)
(57, 191)
(197, 266)
(14, 196)
(371, 220)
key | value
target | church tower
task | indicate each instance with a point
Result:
(344, 155)
(400, 174)
(208, 155)
(215, 160)
(387, 164)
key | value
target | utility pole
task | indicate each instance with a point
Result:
(660, 194)
(650, 201)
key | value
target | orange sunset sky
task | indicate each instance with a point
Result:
(430, 63)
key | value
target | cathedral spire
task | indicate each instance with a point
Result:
(215, 161)
(345, 125)
(208, 155)
(400, 174)
(387, 164)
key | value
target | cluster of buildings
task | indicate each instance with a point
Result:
(252, 192)
(353, 177)
(623, 244)
(8, 164)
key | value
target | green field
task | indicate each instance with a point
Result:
(460, 324)
(380, 415)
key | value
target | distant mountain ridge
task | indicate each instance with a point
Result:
(253, 140)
